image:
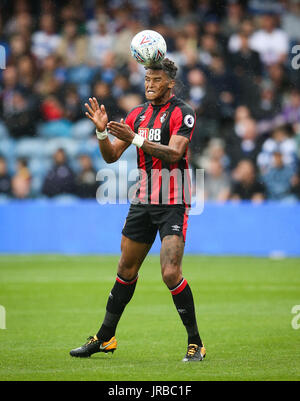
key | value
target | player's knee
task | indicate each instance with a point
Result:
(171, 275)
(126, 270)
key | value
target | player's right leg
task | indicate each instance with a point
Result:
(132, 257)
(171, 258)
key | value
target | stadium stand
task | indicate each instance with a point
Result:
(246, 97)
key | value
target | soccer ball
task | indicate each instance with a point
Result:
(148, 47)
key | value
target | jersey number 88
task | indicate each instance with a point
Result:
(154, 134)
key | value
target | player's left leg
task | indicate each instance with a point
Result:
(171, 254)
(132, 257)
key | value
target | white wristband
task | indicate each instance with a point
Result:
(138, 140)
(101, 135)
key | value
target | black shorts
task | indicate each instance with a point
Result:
(143, 222)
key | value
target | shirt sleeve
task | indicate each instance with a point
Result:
(183, 122)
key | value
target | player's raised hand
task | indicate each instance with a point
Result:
(97, 114)
(121, 130)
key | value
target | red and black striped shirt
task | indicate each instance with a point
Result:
(161, 182)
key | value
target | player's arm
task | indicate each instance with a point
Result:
(111, 151)
(171, 153)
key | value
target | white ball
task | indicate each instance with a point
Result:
(148, 47)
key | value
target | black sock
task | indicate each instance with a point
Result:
(184, 302)
(119, 297)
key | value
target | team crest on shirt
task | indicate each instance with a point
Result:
(164, 116)
(189, 120)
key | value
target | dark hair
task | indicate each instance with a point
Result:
(23, 161)
(282, 128)
(167, 65)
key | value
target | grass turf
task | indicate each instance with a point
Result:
(243, 307)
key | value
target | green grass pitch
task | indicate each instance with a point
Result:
(243, 308)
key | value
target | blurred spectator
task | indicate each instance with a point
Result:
(241, 113)
(99, 14)
(103, 93)
(21, 118)
(202, 96)
(123, 37)
(208, 47)
(217, 182)
(270, 42)
(224, 83)
(51, 78)
(212, 26)
(281, 142)
(21, 21)
(291, 109)
(278, 180)
(246, 186)
(235, 127)
(86, 183)
(9, 85)
(127, 103)
(72, 48)
(108, 70)
(100, 43)
(136, 75)
(183, 50)
(245, 143)
(246, 61)
(235, 40)
(296, 132)
(157, 12)
(18, 47)
(296, 185)
(191, 28)
(203, 9)
(5, 179)
(121, 86)
(234, 15)
(268, 104)
(71, 10)
(21, 181)
(27, 72)
(60, 179)
(52, 109)
(279, 80)
(183, 12)
(72, 104)
(291, 19)
(24, 25)
(259, 7)
(214, 151)
(45, 41)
